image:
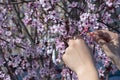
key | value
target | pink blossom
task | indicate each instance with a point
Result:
(73, 4)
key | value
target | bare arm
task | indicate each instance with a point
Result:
(78, 58)
(110, 43)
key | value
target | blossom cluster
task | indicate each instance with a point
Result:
(34, 34)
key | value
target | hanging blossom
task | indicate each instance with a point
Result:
(89, 20)
(73, 4)
(109, 3)
(4, 76)
(36, 55)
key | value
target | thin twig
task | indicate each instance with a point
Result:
(19, 2)
(109, 26)
(15, 7)
(9, 42)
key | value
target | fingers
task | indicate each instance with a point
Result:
(102, 36)
(75, 40)
(70, 42)
(64, 57)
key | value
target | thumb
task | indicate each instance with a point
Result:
(98, 39)
(103, 44)
(103, 34)
(106, 49)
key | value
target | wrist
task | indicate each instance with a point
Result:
(87, 73)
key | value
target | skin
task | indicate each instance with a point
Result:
(79, 58)
(110, 43)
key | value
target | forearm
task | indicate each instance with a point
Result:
(88, 74)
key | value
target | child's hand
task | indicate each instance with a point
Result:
(78, 58)
(110, 43)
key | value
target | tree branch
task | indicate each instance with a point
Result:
(9, 42)
(19, 2)
(109, 26)
(15, 7)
